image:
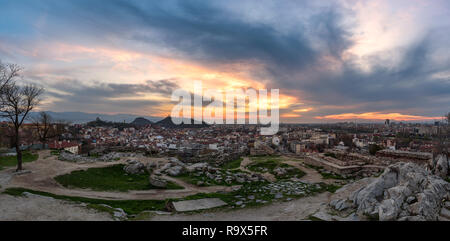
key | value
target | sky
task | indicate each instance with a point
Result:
(332, 61)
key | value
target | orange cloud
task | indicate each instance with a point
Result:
(290, 115)
(303, 110)
(377, 116)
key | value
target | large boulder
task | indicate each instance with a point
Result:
(197, 167)
(403, 190)
(175, 171)
(176, 162)
(134, 167)
(442, 166)
(157, 182)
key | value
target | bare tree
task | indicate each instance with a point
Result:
(7, 74)
(17, 102)
(44, 127)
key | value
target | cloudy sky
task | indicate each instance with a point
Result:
(332, 60)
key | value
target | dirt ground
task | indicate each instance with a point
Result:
(38, 208)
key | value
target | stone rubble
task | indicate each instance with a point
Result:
(109, 157)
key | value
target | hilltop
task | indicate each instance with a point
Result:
(168, 123)
(141, 121)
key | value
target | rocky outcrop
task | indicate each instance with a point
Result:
(69, 157)
(134, 167)
(442, 166)
(175, 171)
(405, 191)
(157, 182)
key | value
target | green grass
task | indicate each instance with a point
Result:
(332, 188)
(55, 152)
(268, 164)
(233, 164)
(111, 178)
(271, 163)
(10, 161)
(292, 172)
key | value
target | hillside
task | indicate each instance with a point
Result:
(141, 121)
(168, 123)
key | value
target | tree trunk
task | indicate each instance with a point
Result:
(18, 151)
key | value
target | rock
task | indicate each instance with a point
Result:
(197, 167)
(251, 197)
(278, 195)
(388, 196)
(442, 166)
(119, 213)
(240, 180)
(109, 157)
(239, 203)
(209, 175)
(447, 204)
(445, 213)
(411, 199)
(135, 168)
(177, 162)
(157, 182)
(132, 161)
(279, 171)
(151, 166)
(388, 210)
(175, 171)
(165, 167)
(340, 204)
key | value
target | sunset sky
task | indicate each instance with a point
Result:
(332, 60)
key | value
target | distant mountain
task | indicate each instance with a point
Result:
(168, 123)
(141, 121)
(82, 117)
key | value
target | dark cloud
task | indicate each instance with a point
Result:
(105, 97)
(292, 52)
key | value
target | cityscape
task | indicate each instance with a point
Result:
(104, 120)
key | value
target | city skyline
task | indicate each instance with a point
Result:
(333, 61)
